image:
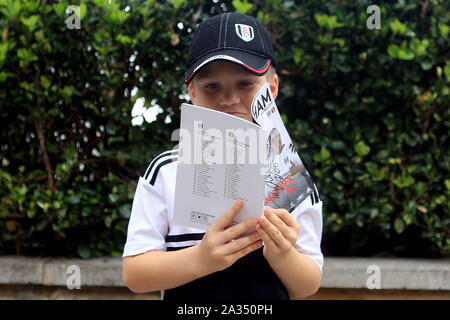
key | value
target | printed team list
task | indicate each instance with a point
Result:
(219, 163)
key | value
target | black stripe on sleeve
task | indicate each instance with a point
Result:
(315, 196)
(316, 193)
(185, 237)
(152, 181)
(162, 155)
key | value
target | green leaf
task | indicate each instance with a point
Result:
(337, 145)
(59, 9)
(89, 105)
(73, 199)
(31, 5)
(43, 205)
(419, 47)
(373, 213)
(125, 211)
(399, 225)
(405, 54)
(31, 213)
(113, 198)
(447, 184)
(443, 29)
(177, 3)
(398, 27)
(374, 171)
(3, 52)
(12, 10)
(426, 65)
(5, 75)
(16, 8)
(108, 221)
(329, 22)
(116, 15)
(123, 39)
(403, 181)
(83, 10)
(242, 6)
(30, 22)
(338, 176)
(339, 41)
(439, 200)
(298, 54)
(393, 50)
(26, 55)
(362, 149)
(42, 224)
(67, 91)
(84, 251)
(324, 154)
(447, 70)
(45, 82)
(264, 18)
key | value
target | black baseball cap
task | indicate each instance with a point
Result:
(234, 37)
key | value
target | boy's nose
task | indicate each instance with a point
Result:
(229, 97)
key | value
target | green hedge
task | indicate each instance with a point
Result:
(368, 108)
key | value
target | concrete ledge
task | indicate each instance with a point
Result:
(20, 270)
(339, 272)
(394, 273)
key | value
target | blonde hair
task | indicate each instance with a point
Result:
(270, 73)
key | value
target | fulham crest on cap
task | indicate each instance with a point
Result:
(245, 32)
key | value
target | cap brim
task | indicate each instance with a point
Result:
(254, 64)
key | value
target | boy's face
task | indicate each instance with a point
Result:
(226, 87)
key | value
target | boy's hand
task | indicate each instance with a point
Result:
(217, 251)
(279, 231)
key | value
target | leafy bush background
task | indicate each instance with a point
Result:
(369, 110)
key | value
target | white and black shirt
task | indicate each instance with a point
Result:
(150, 228)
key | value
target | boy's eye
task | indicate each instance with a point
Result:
(245, 83)
(211, 86)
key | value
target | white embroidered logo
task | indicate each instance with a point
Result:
(245, 32)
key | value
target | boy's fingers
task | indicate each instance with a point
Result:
(225, 219)
(274, 234)
(238, 229)
(289, 220)
(285, 216)
(246, 250)
(277, 222)
(268, 241)
(241, 243)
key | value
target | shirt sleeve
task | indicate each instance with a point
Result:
(309, 218)
(148, 224)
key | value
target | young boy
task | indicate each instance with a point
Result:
(230, 58)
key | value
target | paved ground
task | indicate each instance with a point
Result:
(39, 292)
(33, 292)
